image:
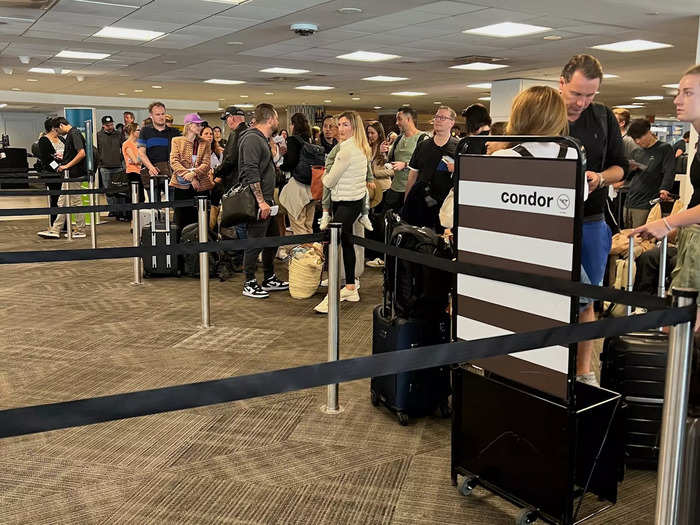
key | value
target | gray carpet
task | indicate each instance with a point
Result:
(80, 329)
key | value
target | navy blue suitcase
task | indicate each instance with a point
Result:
(416, 393)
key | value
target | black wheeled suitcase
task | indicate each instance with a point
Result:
(160, 233)
(689, 502)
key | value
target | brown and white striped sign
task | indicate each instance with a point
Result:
(518, 214)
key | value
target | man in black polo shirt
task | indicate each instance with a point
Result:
(154, 143)
(430, 173)
(597, 129)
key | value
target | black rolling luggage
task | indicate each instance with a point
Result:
(159, 233)
(420, 392)
(120, 184)
(689, 508)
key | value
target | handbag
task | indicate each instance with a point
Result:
(238, 205)
(316, 182)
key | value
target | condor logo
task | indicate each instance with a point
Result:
(525, 199)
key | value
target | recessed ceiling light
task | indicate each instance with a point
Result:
(649, 97)
(245, 106)
(609, 75)
(138, 91)
(244, 96)
(315, 88)
(121, 94)
(234, 43)
(349, 10)
(630, 46)
(223, 81)
(628, 106)
(487, 99)
(409, 93)
(671, 86)
(110, 4)
(327, 101)
(127, 34)
(507, 30)
(479, 66)
(437, 102)
(157, 87)
(269, 93)
(552, 37)
(367, 56)
(482, 85)
(16, 89)
(384, 78)
(48, 70)
(3, 105)
(284, 70)
(356, 98)
(82, 55)
(32, 80)
(377, 107)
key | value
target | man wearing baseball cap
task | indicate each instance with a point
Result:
(109, 155)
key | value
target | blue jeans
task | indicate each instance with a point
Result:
(595, 247)
(106, 176)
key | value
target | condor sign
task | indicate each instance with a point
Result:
(515, 197)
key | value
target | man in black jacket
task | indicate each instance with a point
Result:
(226, 173)
(109, 149)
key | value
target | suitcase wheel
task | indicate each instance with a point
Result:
(467, 486)
(525, 517)
(374, 398)
(403, 418)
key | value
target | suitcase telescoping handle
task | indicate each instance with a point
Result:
(663, 249)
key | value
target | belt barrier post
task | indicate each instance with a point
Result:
(663, 251)
(69, 226)
(203, 223)
(136, 232)
(680, 346)
(332, 406)
(93, 215)
(630, 270)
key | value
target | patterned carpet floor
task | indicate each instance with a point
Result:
(80, 329)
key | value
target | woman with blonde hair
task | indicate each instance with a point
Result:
(346, 180)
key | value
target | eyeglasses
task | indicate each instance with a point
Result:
(442, 117)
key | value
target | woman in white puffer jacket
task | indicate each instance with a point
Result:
(347, 180)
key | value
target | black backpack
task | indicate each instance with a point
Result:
(419, 292)
(309, 155)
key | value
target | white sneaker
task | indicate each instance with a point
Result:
(78, 235)
(376, 263)
(364, 220)
(352, 296)
(48, 234)
(589, 379)
(324, 221)
(324, 283)
(322, 307)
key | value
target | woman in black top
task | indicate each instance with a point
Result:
(51, 150)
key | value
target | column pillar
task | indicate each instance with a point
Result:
(504, 91)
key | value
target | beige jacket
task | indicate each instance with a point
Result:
(181, 161)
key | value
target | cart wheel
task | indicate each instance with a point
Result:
(445, 410)
(467, 486)
(374, 398)
(403, 418)
(525, 517)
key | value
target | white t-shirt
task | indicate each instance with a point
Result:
(543, 150)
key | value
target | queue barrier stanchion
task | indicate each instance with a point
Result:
(630, 269)
(69, 226)
(93, 215)
(203, 223)
(136, 233)
(332, 406)
(673, 423)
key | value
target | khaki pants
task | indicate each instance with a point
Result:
(69, 200)
(304, 223)
(635, 217)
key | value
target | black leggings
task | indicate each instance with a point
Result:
(346, 213)
(188, 214)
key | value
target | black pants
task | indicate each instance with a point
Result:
(393, 200)
(53, 198)
(346, 213)
(257, 230)
(648, 265)
(188, 214)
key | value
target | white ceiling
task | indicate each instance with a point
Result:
(210, 39)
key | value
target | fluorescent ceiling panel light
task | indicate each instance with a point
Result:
(32, 80)
(16, 89)
(671, 86)
(245, 106)
(377, 107)
(81, 54)
(244, 96)
(127, 34)
(121, 94)
(356, 98)
(488, 99)
(138, 91)
(507, 30)
(628, 106)
(479, 66)
(48, 70)
(284, 70)
(223, 81)
(649, 97)
(3, 105)
(327, 101)
(630, 46)
(367, 56)
(437, 102)
(610, 75)
(482, 85)
(409, 93)
(110, 4)
(157, 87)
(315, 88)
(383, 78)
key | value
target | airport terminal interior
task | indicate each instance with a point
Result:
(93, 327)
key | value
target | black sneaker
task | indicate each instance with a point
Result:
(253, 289)
(273, 284)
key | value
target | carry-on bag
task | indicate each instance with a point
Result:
(238, 206)
(689, 502)
(159, 233)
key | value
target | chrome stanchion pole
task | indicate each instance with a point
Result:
(332, 406)
(136, 232)
(678, 365)
(663, 250)
(203, 223)
(93, 215)
(69, 226)
(630, 270)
